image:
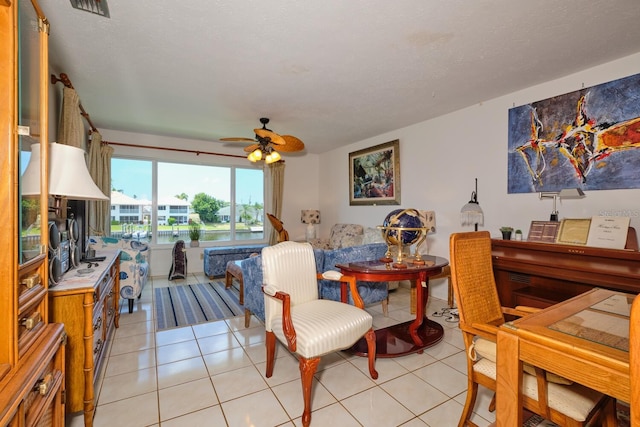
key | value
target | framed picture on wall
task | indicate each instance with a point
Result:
(374, 175)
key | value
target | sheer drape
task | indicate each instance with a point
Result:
(275, 189)
(99, 211)
(71, 128)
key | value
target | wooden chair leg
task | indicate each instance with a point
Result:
(371, 348)
(385, 307)
(492, 404)
(270, 344)
(247, 318)
(308, 368)
(472, 393)
(610, 416)
(227, 279)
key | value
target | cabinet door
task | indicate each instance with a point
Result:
(23, 63)
(31, 208)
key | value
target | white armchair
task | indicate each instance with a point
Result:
(309, 326)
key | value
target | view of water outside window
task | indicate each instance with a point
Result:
(192, 201)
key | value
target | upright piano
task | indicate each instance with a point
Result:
(541, 274)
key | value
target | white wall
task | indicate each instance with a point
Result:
(440, 158)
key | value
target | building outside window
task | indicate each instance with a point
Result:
(226, 202)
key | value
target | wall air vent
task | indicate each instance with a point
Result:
(99, 7)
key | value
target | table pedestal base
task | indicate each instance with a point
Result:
(396, 340)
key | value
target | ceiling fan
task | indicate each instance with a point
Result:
(265, 143)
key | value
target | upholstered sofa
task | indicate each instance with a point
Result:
(326, 259)
(216, 258)
(134, 264)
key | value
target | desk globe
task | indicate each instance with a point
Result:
(403, 227)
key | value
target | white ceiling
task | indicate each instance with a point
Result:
(330, 72)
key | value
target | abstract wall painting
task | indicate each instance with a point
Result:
(588, 139)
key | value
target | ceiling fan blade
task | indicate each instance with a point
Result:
(251, 148)
(237, 139)
(292, 144)
(273, 137)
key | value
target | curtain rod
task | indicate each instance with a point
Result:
(65, 81)
(181, 150)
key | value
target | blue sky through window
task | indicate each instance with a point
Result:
(133, 177)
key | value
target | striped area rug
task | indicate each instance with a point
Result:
(178, 306)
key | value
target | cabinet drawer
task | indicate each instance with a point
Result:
(39, 403)
(99, 326)
(110, 307)
(105, 284)
(30, 324)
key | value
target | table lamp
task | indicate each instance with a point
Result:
(68, 176)
(311, 217)
(566, 193)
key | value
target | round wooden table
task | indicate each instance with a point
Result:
(408, 337)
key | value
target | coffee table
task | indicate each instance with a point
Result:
(408, 337)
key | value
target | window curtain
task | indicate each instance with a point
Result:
(99, 211)
(275, 188)
(71, 128)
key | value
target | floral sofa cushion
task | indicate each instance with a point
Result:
(342, 236)
(134, 264)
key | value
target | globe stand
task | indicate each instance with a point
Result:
(389, 234)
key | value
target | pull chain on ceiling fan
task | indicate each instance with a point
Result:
(265, 143)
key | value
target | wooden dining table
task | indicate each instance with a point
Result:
(584, 339)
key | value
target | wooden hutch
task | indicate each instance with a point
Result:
(32, 351)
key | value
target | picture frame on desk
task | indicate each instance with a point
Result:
(608, 232)
(574, 231)
(543, 231)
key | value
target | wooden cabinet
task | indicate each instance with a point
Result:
(32, 351)
(541, 274)
(87, 303)
(35, 395)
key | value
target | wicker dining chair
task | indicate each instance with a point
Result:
(310, 327)
(481, 313)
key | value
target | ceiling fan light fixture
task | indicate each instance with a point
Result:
(266, 141)
(255, 155)
(272, 157)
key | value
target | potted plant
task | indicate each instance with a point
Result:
(506, 232)
(194, 234)
(518, 234)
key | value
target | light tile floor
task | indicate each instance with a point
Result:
(212, 374)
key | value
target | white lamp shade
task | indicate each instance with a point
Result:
(68, 174)
(310, 216)
(471, 214)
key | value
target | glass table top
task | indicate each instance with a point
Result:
(606, 322)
